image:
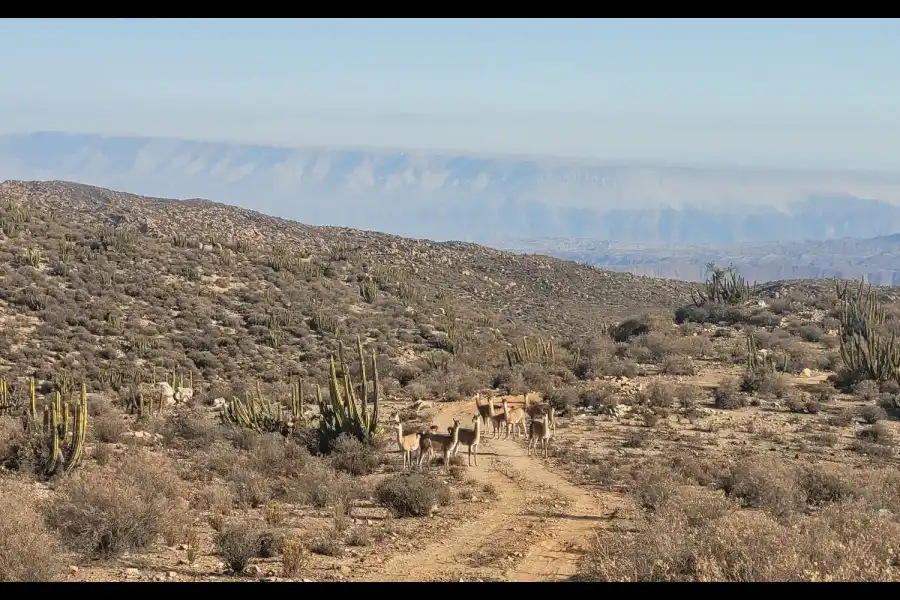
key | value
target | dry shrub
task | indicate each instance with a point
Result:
(237, 545)
(728, 396)
(412, 495)
(28, 551)
(115, 510)
(703, 537)
(766, 383)
(659, 394)
(109, 428)
(764, 483)
(293, 557)
(353, 456)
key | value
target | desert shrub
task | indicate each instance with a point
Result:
(653, 487)
(412, 495)
(108, 428)
(704, 537)
(270, 543)
(876, 434)
(871, 414)
(760, 482)
(237, 545)
(111, 511)
(765, 383)
(821, 486)
(326, 545)
(811, 333)
(353, 456)
(728, 396)
(28, 551)
(678, 365)
(867, 390)
(564, 400)
(659, 394)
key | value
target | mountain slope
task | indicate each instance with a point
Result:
(444, 196)
(876, 259)
(102, 282)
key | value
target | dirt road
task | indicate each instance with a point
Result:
(539, 523)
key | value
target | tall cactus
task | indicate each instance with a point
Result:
(724, 286)
(343, 412)
(867, 352)
(66, 451)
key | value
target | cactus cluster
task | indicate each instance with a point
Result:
(8, 404)
(544, 352)
(867, 351)
(368, 291)
(66, 425)
(757, 363)
(345, 412)
(257, 412)
(724, 286)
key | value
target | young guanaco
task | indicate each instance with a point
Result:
(540, 432)
(409, 443)
(514, 418)
(443, 441)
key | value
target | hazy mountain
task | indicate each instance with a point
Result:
(467, 197)
(877, 259)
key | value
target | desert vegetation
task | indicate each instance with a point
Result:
(190, 391)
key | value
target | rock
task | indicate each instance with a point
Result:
(369, 513)
(166, 393)
(183, 394)
(132, 572)
(219, 404)
(73, 569)
(171, 574)
(253, 570)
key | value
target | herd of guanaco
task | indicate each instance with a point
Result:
(425, 443)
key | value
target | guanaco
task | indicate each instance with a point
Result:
(540, 432)
(514, 418)
(408, 443)
(446, 442)
(498, 419)
(470, 437)
(484, 410)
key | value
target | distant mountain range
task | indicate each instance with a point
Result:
(876, 259)
(484, 199)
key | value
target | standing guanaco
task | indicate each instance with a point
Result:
(498, 419)
(514, 418)
(470, 437)
(484, 409)
(445, 442)
(540, 432)
(408, 443)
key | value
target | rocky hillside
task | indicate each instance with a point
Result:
(104, 284)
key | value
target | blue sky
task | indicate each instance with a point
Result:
(792, 92)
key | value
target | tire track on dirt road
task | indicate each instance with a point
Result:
(552, 556)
